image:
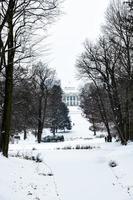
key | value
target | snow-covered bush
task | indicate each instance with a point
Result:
(100, 136)
(67, 147)
(28, 156)
(87, 147)
(77, 147)
(84, 147)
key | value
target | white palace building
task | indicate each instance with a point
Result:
(71, 96)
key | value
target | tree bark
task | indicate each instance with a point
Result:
(39, 120)
(25, 134)
(7, 111)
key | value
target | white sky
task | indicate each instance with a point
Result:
(82, 19)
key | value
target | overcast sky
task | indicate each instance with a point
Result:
(82, 19)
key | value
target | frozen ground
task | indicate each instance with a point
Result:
(70, 174)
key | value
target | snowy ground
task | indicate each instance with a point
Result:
(67, 173)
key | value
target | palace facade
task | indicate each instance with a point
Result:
(71, 96)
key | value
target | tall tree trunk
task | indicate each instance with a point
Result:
(44, 110)
(127, 126)
(7, 111)
(116, 110)
(41, 116)
(102, 110)
(39, 120)
(94, 127)
(25, 134)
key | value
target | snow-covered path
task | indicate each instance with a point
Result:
(81, 174)
(84, 175)
(80, 125)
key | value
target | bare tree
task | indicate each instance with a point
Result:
(19, 19)
(100, 63)
(119, 28)
(44, 79)
(89, 67)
